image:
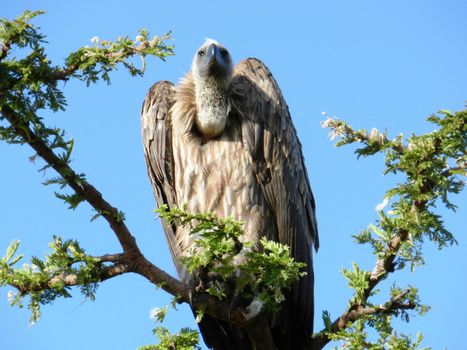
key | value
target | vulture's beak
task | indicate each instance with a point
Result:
(213, 54)
(217, 65)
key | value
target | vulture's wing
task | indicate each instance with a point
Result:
(157, 142)
(276, 156)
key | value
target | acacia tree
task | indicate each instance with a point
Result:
(432, 165)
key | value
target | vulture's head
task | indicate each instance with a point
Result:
(212, 61)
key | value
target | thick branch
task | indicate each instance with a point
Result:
(257, 327)
(81, 187)
(161, 279)
(199, 301)
(462, 166)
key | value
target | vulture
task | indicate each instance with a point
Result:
(223, 141)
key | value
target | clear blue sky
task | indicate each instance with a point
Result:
(383, 64)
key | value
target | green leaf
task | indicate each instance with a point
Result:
(358, 280)
(73, 200)
(11, 250)
(326, 316)
(186, 339)
(15, 259)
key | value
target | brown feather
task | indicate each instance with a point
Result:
(279, 167)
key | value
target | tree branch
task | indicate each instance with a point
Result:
(111, 257)
(198, 301)
(80, 186)
(382, 268)
(119, 56)
(394, 304)
(405, 159)
(385, 265)
(355, 312)
(70, 280)
(342, 129)
(160, 278)
(61, 73)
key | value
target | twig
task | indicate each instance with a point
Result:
(66, 72)
(111, 257)
(70, 280)
(355, 312)
(340, 128)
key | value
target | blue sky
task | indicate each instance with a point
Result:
(373, 63)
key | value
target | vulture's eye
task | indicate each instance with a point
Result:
(201, 53)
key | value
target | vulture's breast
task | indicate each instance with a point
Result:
(217, 176)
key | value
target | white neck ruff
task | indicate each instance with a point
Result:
(213, 107)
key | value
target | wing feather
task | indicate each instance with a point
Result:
(272, 142)
(157, 142)
(275, 152)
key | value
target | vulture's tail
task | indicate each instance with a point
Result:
(219, 335)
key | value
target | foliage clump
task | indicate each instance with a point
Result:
(221, 260)
(432, 165)
(46, 280)
(185, 339)
(30, 84)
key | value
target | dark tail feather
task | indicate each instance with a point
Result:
(220, 335)
(294, 328)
